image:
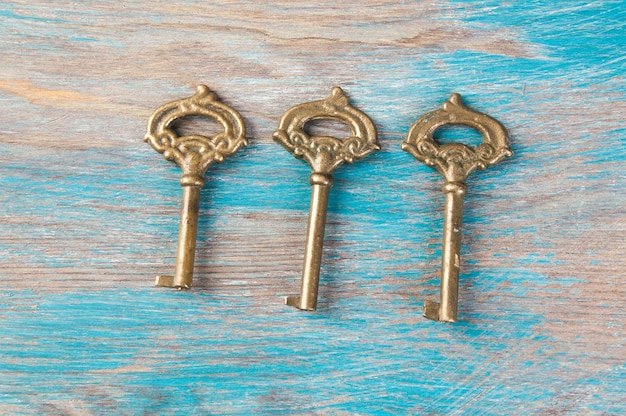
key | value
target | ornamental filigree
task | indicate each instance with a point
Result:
(195, 153)
(324, 153)
(456, 160)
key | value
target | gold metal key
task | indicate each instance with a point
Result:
(324, 154)
(455, 161)
(194, 154)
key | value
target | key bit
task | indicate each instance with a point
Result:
(194, 154)
(455, 161)
(324, 154)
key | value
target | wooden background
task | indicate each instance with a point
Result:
(89, 213)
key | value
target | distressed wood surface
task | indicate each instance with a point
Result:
(90, 213)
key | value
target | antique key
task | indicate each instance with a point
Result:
(455, 161)
(194, 154)
(324, 154)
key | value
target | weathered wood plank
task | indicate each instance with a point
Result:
(89, 212)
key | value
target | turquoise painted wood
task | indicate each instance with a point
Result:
(89, 213)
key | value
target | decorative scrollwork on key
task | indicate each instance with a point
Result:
(456, 160)
(324, 154)
(195, 153)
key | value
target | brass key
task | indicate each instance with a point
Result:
(324, 154)
(455, 161)
(194, 154)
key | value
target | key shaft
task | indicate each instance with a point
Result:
(320, 188)
(455, 161)
(324, 154)
(447, 310)
(187, 233)
(194, 154)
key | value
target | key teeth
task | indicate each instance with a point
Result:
(431, 310)
(168, 281)
(296, 302)
(165, 281)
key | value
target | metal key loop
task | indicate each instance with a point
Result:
(455, 161)
(194, 154)
(324, 154)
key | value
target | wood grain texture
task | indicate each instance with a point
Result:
(90, 213)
